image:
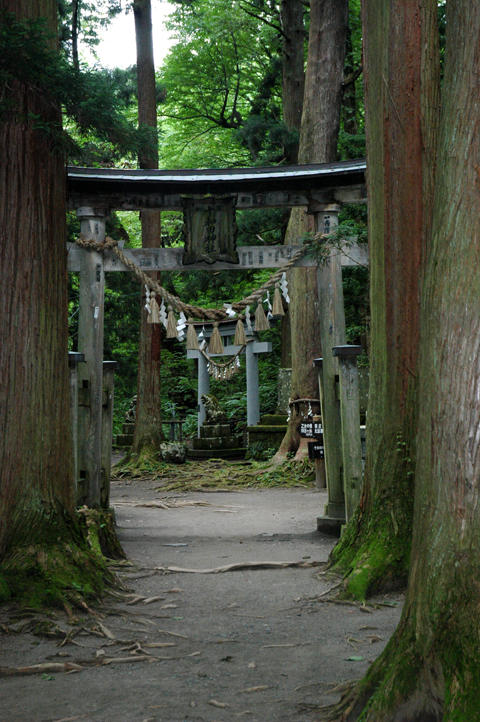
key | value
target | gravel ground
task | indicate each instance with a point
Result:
(253, 644)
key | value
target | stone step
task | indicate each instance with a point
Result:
(268, 436)
(124, 440)
(272, 429)
(273, 419)
(235, 453)
(209, 430)
(128, 427)
(217, 442)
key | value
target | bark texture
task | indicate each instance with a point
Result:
(148, 430)
(430, 670)
(401, 81)
(318, 144)
(43, 554)
(293, 67)
(35, 444)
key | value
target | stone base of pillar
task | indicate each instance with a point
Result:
(330, 525)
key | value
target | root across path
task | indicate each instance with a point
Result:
(224, 613)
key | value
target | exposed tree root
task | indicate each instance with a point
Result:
(100, 531)
(146, 462)
(221, 475)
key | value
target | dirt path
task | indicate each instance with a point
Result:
(253, 644)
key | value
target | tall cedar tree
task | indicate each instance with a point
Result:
(148, 430)
(430, 670)
(399, 81)
(293, 73)
(318, 144)
(39, 537)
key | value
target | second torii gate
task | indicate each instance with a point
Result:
(253, 348)
(93, 193)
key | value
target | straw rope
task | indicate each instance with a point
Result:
(211, 314)
(226, 363)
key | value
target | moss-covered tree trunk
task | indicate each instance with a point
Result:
(430, 670)
(401, 87)
(39, 538)
(318, 144)
(148, 430)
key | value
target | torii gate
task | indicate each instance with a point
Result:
(93, 193)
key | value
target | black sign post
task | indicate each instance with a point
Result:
(316, 450)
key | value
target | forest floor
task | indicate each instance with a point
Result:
(260, 644)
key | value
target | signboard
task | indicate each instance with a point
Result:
(316, 450)
(311, 429)
(210, 230)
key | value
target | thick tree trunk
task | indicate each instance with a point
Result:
(148, 430)
(293, 72)
(318, 144)
(430, 670)
(349, 104)
(293, 87)
(399, 78)
(35, 444)
(36, 469)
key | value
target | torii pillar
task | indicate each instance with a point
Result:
(90, 374)
(332, 333)
(253, 348)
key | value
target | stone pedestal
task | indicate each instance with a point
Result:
(216, 441)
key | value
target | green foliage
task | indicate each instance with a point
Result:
(89, 98)
(92, 19)
(223, 85)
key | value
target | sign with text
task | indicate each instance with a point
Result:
(316, 450)
(311, 429)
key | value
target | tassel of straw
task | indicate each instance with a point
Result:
(261, 323)
(277, 309)
(215, 345)
(240, 338)
(192, 339)
(171, 324)
(154, 315)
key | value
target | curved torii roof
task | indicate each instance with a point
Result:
(254, 187)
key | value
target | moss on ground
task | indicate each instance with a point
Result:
(224, 474)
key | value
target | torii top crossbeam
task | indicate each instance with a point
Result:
(293, 185)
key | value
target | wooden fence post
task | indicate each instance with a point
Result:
(90, 343)
(350, 412)
(334, 516)
(73, 360)
(107, 421)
